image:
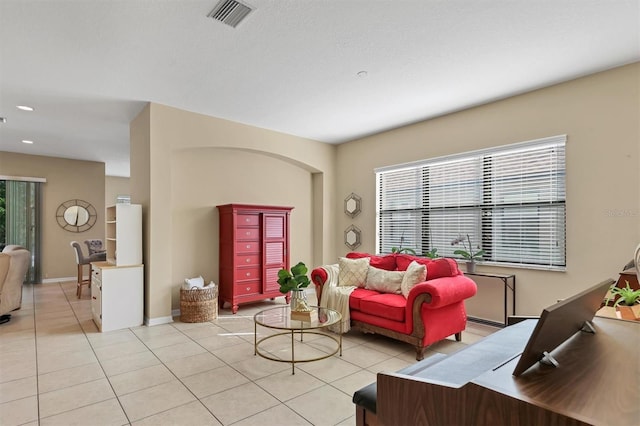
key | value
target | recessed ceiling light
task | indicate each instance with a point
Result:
(27, 142)
(362, 74)
(25, 108)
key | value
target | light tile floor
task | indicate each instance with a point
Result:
(56, 368)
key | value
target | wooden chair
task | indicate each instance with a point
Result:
(81, 260)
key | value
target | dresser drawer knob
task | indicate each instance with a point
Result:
(248, 232)
(248, 274)
(248, 260)
(248, 246)
(248, 288)
(247, 220)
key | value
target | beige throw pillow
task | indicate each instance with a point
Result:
(352, 272)
(415, 273)
(384, 281)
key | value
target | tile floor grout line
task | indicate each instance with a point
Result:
(222, 325)
(178, 378)
(94, 353)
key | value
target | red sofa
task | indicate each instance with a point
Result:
(433, 309)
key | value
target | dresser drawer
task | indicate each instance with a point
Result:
(248, 220)
(248, 260)
(248, 247)
(247, 287)
(248, 234)
(243, 274)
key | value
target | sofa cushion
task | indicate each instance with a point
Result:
(436, 268)
(352, 272)
(386, 262)
(384, 281)
(415, 273)
(358, 295)
(385, 305)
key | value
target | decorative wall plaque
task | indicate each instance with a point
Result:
(352, 205)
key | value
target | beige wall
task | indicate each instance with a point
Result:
(184, 164)
(114, 186)
(66, 179)
(206, 177)
(600, 115)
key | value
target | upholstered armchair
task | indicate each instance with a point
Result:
(14, 263)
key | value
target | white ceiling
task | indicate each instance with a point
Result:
(88, 67)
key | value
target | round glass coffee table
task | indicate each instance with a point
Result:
(279, 318)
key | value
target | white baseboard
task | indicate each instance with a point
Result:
(59, 280)
(158, 321)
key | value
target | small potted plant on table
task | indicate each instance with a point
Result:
(628, 303)
(295, 281)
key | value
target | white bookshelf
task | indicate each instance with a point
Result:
(124, 234)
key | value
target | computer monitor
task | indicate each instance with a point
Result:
(560, 321)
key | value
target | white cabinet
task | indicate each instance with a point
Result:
(124, 234)
(117, 285)
(117, 296)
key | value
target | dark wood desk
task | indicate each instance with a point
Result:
(629, 275)
(476, 386)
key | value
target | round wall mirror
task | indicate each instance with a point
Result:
(76, 215)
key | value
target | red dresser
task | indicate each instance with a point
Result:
(254, 246)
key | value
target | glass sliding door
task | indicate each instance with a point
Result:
(22, 221)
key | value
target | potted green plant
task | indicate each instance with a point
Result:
(432, 254)
(469, 254)
(628, 302)
(295, 281)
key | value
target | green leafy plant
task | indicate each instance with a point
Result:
(403, 250)
(295, 279)
(467, 254)
(432, 254)
(627, 295)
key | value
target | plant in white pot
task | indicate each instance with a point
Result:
(628, 303)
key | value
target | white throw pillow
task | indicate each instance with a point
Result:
(384, 281)
(352, 272)
(415, 273)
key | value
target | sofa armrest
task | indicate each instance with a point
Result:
(443, 291)
(324, 275)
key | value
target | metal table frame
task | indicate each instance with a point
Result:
(292, 327)
(505, 280)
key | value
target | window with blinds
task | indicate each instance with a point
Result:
(509, 200)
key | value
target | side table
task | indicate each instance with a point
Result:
(509, 289)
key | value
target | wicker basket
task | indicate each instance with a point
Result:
(199, 304)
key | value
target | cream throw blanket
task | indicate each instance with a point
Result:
(337, 298)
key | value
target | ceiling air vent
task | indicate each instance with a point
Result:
(229, 12)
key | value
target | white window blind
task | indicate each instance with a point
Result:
(509, 200)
